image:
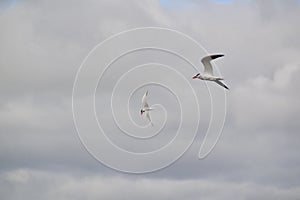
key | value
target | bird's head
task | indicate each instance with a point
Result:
(142, 111)
(196, 76)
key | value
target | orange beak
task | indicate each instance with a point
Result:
(194, 77)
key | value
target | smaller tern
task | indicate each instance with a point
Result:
(146, 108)
(208, 74)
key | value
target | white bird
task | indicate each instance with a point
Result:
(146, 108)
(208, 74)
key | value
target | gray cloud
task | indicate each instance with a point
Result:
(39, 184)
(42, 46)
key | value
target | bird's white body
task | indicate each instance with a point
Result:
(209, 77)
(208, 74)
(146, 108)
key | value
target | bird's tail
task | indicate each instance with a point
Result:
(222, 84)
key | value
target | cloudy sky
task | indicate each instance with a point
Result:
(43, 44)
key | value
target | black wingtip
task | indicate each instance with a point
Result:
(225, 86)
(216, 56)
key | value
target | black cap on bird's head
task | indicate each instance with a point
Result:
(196, 76)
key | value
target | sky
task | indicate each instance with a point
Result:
(43, 45)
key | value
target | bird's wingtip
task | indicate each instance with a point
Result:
(225, 86)
(216, 56)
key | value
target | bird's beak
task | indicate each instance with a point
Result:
(194, 77)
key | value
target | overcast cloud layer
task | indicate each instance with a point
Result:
(42, 46)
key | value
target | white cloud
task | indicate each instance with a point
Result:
(265, 102)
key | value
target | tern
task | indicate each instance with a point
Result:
(208, 74)
(146, 108)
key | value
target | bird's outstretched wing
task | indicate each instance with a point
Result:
(144, 100)
(208, 69)
(148, 117)
(222, 84)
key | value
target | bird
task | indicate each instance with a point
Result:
(146, 108)
(208, 74)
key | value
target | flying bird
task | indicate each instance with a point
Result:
(146, 108)
(208, 74)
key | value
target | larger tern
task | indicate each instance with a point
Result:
(146, 108)
(208, 74)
